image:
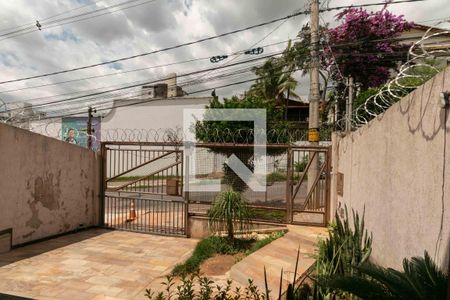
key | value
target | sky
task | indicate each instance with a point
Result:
(148, 26)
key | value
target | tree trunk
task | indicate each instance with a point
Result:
(230, 228)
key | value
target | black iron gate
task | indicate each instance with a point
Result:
(143, 188)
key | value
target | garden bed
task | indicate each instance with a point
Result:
(215, 255)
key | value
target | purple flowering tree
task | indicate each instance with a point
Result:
(364, 46)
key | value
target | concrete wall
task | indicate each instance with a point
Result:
(199, 228)
(398, 168)
(47, 186)
(157, 114)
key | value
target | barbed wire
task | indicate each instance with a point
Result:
(420, 67)
(55, 129)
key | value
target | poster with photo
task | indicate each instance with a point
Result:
(74, 131)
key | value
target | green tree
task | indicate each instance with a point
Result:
(231, 132)
(275, 81)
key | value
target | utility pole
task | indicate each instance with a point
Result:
(89, 128)
(349, 106)
(314, 93)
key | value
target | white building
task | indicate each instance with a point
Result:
(159, 114)
(146, 117)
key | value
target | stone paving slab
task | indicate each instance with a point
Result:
(94, 264)
(280, 255)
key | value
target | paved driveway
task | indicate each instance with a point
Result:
(93, 264)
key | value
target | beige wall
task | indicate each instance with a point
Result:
(47, 186)
(398, 167)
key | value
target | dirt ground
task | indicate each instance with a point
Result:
(217, 265)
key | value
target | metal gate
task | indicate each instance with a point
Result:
(297, 182)
(143, 185)
(309, 184)
(143, 188)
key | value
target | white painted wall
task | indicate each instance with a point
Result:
(158, 114)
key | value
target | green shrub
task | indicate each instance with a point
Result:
(203, 288)
(205, 249)
(421, 279)
(346, 246)
(209, 247)
(300, 166)
(275, 177)
(271, 215)
(213, 245)
(229, 210)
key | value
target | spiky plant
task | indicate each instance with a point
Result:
(347, 245)
(229, 210)
(420, 279)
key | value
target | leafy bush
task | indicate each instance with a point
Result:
(300, 166)
(275, 177)
(206, 290)
(412, 78)
(421, 279)
(345, 247)
(229, 210)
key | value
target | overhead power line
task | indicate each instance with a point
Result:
(72, 19)
(50, 17)
(155, 51)
(98, 101)
(153, 99)
(30, 27)
(236, 53)
(189, 82)
(93, 101)
(154, 81)
(195, 42)
(388, 57)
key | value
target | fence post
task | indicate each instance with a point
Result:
(289, 204)
(186, 194)
(327, 215)
(103, 154)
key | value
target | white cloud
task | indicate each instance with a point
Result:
(148, 27)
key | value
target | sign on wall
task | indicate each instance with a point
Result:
(74, 131)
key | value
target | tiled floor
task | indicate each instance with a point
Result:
(94, 264)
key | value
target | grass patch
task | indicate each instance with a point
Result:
(271, 215)
(279, 177)
(266, 241)
(207, 248)
(276, 177)
(210, 246)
